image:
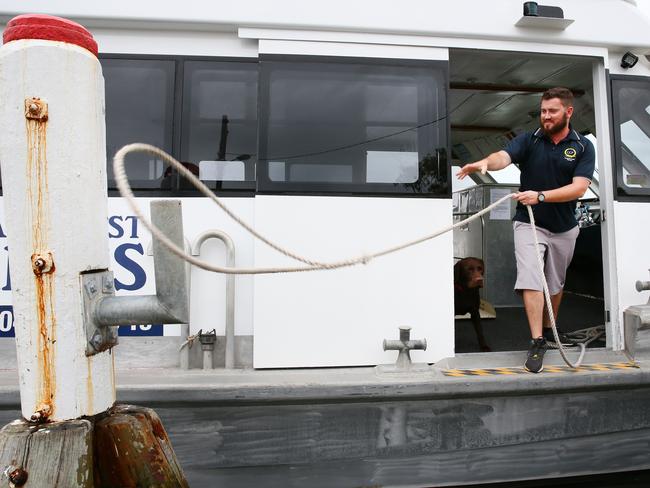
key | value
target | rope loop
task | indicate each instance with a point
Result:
(308, 264)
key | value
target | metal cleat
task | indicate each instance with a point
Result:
(404, 345)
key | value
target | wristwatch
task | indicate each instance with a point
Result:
(541, 197)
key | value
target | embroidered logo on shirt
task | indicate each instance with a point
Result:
(570, 154)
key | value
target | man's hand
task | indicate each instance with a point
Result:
(526, 197)
(473, 168)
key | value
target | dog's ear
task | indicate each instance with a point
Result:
(458, 271)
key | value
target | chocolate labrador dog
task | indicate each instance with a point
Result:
(468, 279)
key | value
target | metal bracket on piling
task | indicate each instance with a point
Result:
(170, 304)
(97, 285)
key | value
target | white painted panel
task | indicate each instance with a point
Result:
(532, 44)
(614, 329)
(173, 42)
(632, 235)
(340, 318)
(311, 48)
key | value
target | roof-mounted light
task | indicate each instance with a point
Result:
(628, 60)
(543, 16)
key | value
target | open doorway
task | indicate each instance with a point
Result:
(495, 95)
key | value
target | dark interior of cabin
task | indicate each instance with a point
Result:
(493, 97)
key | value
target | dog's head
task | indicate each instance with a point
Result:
(468, 273)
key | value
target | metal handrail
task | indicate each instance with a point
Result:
(230, 288)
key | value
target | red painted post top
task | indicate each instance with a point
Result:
(50, 28)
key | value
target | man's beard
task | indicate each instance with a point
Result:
(558, 127)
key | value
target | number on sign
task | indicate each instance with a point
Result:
(7, 321)
(141, 330)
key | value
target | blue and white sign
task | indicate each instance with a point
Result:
(132, 267)
(6, 308)
(129, 243)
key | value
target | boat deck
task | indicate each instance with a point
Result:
(145, 386)
(473, 418)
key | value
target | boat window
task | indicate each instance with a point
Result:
(202, 111)
(631, 108)
(219, 121)
(139, 108)
(352, 126)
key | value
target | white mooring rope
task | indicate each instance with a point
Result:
(547, 296)
(311, 265)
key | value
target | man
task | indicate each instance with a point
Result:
(556, 165)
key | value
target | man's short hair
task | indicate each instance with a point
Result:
(564, 94)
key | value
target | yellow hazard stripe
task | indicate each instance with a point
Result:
(547, 369)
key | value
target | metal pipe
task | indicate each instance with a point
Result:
(170, 303)
(208, 341)
(133, 310)
(171, 278)
(207, 359)
(230, 288)
(184, 360)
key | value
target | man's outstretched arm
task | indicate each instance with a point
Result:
(494, 162)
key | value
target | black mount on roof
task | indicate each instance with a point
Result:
(533, 9)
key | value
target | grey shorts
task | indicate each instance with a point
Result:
(556, 250)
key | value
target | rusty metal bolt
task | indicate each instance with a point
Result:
(35, 108)
(42, 263)
(42, 414)
(108, 285)
(18, 477)
(97, 341)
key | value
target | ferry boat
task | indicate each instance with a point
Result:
(336, 129)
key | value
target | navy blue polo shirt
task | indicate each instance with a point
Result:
(547, 166)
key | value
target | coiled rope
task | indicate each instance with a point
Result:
(311, 265)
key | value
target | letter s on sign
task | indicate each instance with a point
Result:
(139, 275)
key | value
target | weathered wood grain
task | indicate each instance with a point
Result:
(55, 455)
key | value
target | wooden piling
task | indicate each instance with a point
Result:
(132, 450)
(126, 447)
(56, 454)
